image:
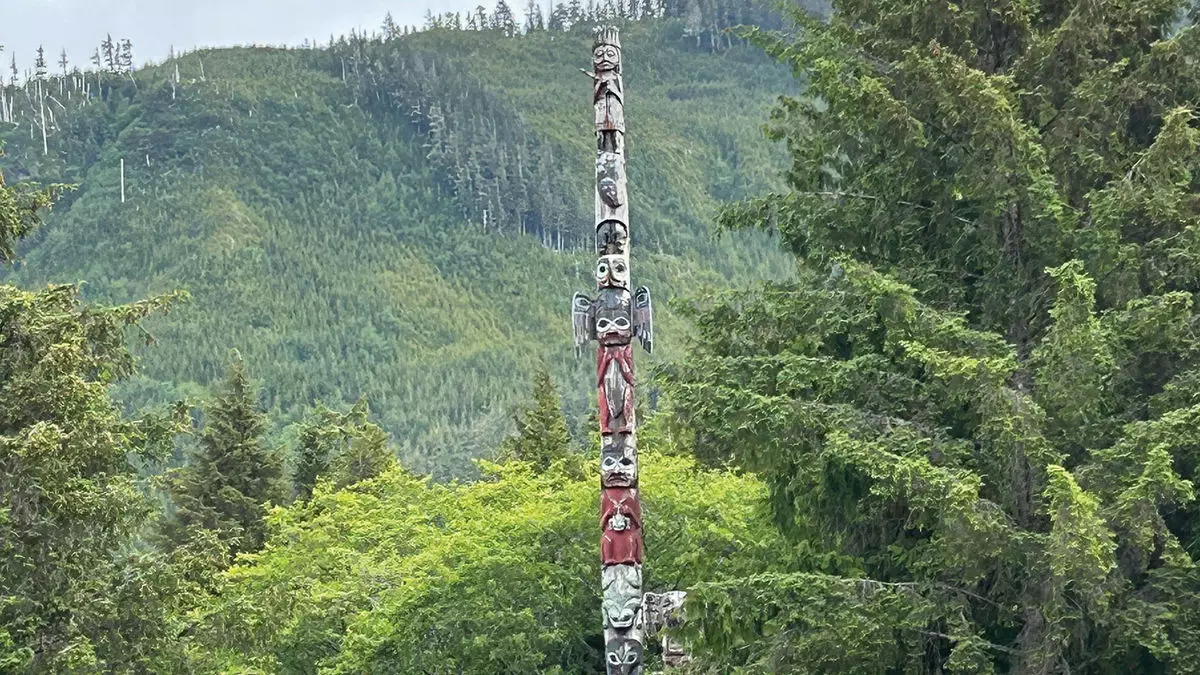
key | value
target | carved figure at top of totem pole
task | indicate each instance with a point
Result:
(612, 271)
(618, 461)
(623, 656)
(609, 89)
(612, 238)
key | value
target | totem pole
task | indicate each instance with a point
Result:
(614, 317)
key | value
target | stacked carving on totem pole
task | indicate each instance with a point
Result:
(614, 318)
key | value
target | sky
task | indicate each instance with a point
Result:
(155, 26)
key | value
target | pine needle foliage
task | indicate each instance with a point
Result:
(74, 596)
(344, 448)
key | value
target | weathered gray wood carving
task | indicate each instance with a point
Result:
(662, 611)
(614, 318)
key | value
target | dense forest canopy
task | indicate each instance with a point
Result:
(327, 208)
(951, 425)
(980, 397)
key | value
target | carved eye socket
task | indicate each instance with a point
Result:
(621, 323)
(602, 270)
(631, 657)
(614, 659)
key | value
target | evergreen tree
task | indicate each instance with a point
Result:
(125, 58)
(39, 63)
(390, 29)
(72, 598)
(344, 448)
(231, 476)
(503, 19)
(559, 19)
(108, 50)
(533, 17)
(542, 435)
(977, 405)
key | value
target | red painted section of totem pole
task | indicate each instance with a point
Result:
(621, 522)
(616, 396)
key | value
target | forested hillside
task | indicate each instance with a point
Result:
(398, 216)
(962, 436)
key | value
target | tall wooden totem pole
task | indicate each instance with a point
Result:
(614, 317)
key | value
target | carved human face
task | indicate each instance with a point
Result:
(612, 271)
(606, 57)
(622, 595)
(618, 465)
(614, 319)
(612, 238)
(623, 656)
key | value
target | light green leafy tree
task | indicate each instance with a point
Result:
(400, 574)
(978, 402)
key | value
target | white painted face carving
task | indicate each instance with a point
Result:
(612, 271)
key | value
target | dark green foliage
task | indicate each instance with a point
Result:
(323, 229)
(71, 595)
(542, 435)
(343, 448)
(231, 477)
(20, 209)
(971, 403)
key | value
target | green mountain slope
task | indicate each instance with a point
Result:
(404, 219)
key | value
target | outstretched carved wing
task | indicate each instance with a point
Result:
(583, 321)
(643, 318)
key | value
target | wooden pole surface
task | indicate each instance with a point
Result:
(615, 317)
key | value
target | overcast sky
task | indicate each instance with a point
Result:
(155, 25)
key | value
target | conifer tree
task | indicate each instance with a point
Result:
(533, 17)
(503, 19)
(343, 448)
(542, 435)
(71, 596)
(976, 406)
(390, 29)
(231, 476)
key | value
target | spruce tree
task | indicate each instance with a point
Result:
(231, 476)
(72, 596)
(343, 448)
(542, 435)
(977, 405)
